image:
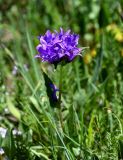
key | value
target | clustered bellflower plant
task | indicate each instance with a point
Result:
(55, 48)
(59, 46)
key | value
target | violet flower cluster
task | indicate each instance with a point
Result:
(58, 46)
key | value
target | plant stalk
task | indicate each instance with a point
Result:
(60, 92)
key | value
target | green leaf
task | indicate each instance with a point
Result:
(13, 110)
(37, 151)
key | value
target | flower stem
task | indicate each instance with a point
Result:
(60, 90)
(60, 86)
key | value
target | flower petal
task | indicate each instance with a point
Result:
(58, 46)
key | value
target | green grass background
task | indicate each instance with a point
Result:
(92, 98)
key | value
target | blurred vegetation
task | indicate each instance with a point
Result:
(92, 99)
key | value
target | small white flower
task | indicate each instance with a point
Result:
(3, 132)
(15, 69)
(16, 132)
(19, 133)
(6, 110)
(1, 151)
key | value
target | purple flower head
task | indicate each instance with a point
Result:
(58, 46)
